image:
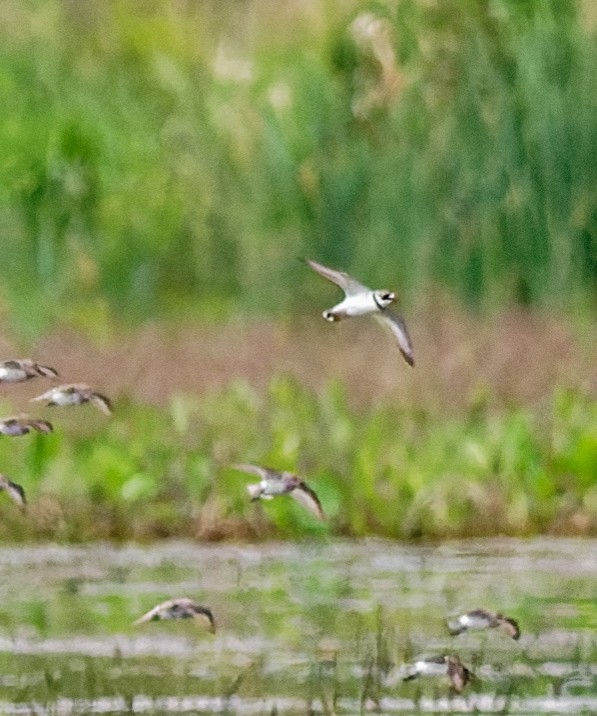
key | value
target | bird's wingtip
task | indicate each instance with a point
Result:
(409, 358)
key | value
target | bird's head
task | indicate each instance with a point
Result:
(383, 298)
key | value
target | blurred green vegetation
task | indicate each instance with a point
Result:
(172, 159)
(385, 470)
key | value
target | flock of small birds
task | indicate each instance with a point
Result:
(21, 370)
(359, 300)
(449, 664)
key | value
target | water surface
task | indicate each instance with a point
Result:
(320, 627)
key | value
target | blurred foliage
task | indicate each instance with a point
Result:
(174, 158)
(384, 470)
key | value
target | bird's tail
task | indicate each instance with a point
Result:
(254, 491)
(456, 628)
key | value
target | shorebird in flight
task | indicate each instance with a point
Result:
(482, 619)
(182, 608)
(75, 394)
(279, 482)
(16, 371)
(448, 665)
(362, 301)
(14, 491)
(17, 425)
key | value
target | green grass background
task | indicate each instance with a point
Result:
(168, 159)
(154, 472)
(171, 161)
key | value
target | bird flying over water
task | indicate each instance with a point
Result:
(483, 619)
(18, 370)
(75, 394)
(181, 608)
(17, 425)
(278, 482)
(446, 665)
(359, 300)
(14, 491)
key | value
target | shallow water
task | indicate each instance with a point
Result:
(311, 627)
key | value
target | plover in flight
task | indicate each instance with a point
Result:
(482, 619)
(14, 491)
(182, 608)
(22, 424)
(16, 371)
(448, 665)
(75, 394)
(277, 482)
(362, 301)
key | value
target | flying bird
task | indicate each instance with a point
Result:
(182, 608)
(482, 619)
(276, 482)
(448, 665)
(16, 371)
(362, 301)
(17, 425)
(75, 394)
(14, 491)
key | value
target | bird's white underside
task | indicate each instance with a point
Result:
(361, 304)
(429, 668)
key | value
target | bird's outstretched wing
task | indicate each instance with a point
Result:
(45, 371)
(101, 402)
(262, 472)
(512, 628)
(307, 497)
(396, 324)
(42, 426)
(347, 283)
(14, 491)
(458, 674)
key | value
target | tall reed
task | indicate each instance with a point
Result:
(166, 158)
